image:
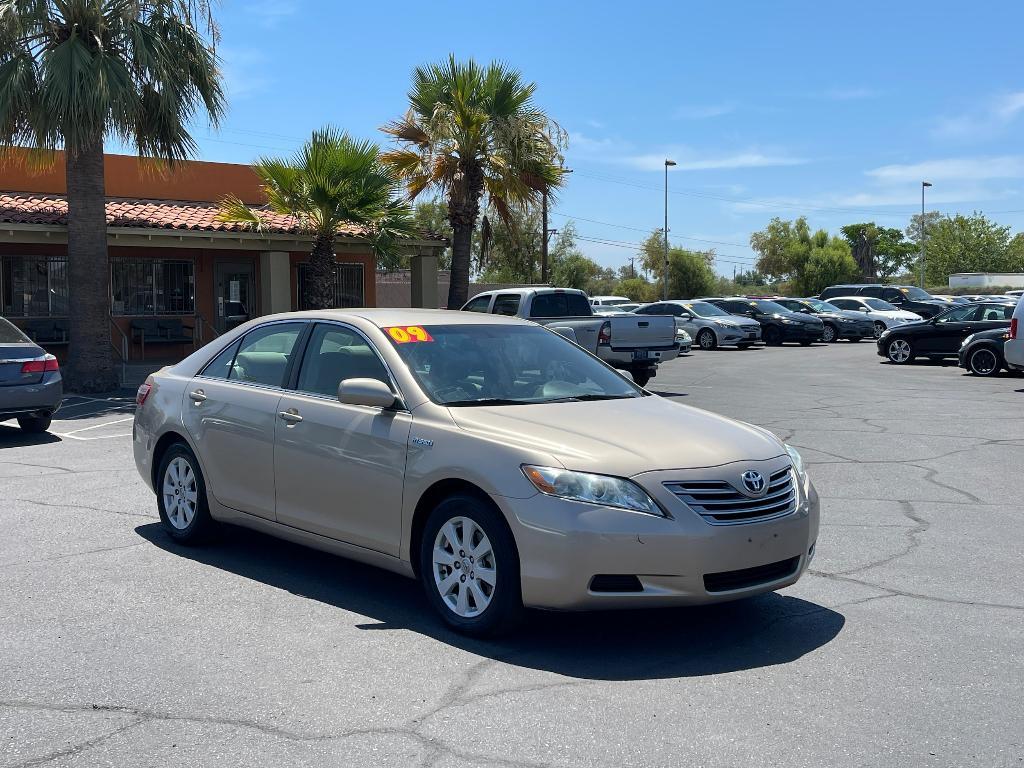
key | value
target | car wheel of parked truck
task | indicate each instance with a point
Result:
(181, 496)
(469, 566)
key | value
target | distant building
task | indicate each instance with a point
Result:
(986, 279)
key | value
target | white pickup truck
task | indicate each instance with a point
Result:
(634, 343)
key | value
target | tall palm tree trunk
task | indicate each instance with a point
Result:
(458, 288)
(319, 289)
(90, 366)
(463, 210)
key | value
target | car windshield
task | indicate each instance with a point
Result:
(769, 306)
(915, 294)
(704, 309)
(465, 365)
(10, 334)
(822, 306)
(883, 306)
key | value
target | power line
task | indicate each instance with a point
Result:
(642, 229)
(725, 258)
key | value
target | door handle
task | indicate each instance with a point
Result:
(197, 396)
(290, 416)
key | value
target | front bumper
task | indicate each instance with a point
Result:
(563, 545)
(738, 335)
(29, 399)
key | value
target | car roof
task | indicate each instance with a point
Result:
(385, 317)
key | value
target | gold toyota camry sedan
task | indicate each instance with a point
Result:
(472, 452)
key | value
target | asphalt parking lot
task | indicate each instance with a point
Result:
(904, 646)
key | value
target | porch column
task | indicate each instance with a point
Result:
(424, 281)
(275, 282)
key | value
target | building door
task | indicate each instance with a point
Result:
(234, 294)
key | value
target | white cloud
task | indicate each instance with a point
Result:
(269, 13)
(690, 160)
(986, 121)
(703, 112)
(582, 142)
(952, 169)
(243, 70)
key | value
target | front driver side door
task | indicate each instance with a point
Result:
(340, 468)
(949, 331)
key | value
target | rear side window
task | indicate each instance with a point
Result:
(264, 354)
(651, 309)
(872, 290)
(220, 366)
(479, 304)
(506, 304)
(336, 353)
(10, 334)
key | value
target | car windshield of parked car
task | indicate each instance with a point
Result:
(916, 294)
(704, 309)
(880, 305)
(769, 307)
(465, 365)
(11, 334)
(822, 306)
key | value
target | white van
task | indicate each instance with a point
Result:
(1013, 349)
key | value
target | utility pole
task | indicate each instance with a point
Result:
(632, 269)
(664, 288)
(923, 229)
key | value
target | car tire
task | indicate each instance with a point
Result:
(983, 362)
(466, 601)
(829, 334)
(706, 339)
(35, 425)
(181, 496)
(899, 350)
(772, 336)
(879, 328)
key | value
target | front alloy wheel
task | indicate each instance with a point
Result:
(828, 334)
(706, 339)
(983, 362)
(469, 566)
(900, 351)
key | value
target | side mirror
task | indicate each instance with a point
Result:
(804, 311)
(865, 310)
(685, 316)
(366, 392)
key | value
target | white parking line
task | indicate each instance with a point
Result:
(73, 434)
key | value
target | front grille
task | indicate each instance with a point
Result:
(721, 503)
(726, 581)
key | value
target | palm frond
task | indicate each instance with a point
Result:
(234, 211)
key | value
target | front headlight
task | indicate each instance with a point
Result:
(683, 335)
(967, 341)
(797, 459)
(605, 490)
(787, 321)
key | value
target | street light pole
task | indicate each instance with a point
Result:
(923, 229)
(664, 289)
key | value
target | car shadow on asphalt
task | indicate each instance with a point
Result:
(15, 437)
(644, 644)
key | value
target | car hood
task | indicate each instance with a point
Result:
(798, 317)
(622, 437)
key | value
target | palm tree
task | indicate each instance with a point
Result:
(471, 131)
(73, 72)
(332, 181)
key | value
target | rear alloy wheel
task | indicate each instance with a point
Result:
(35, 424)
(181, 496)
(879, 328)
(706, 339)
(829, 334)
(469, 566)
(772, 336)
(983, 362)
(900, 351)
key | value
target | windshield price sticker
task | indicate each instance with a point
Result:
(404, 334)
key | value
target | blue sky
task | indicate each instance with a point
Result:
(836, 111)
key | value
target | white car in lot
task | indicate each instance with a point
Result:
(1013, 348)
(883, 314)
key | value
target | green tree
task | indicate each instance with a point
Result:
(568, 266)
(893, 254)
(472, 131)
(790, 251)
(73, 72)
(689, 274)
(638, 289)
(333, 180)
(828, 264)
(969, 244)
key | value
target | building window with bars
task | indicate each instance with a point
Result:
(152, 287)
(348, 286)
(34, 286)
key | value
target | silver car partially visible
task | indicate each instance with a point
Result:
(31, 388)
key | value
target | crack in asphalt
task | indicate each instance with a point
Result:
(68, 555)
(85, 506)
(78, 748)
(893, 592)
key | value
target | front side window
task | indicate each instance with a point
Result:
(960, 314)
(705, 309)
(264, 354)
(220, 366)
(880, 305)
(465, 365)
(336, 353)
(151, 286)
(479, 304)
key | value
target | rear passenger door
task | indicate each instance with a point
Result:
(230, 410)
(340, 468)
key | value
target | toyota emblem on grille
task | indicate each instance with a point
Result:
(753, 481)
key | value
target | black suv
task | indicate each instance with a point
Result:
(906, 297)
(778, 324)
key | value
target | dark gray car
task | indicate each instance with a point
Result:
(30, 383)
